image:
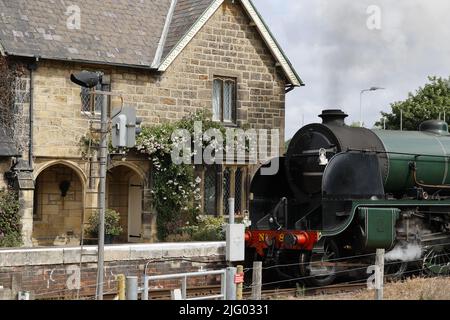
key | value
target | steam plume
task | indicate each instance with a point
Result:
(404, 252)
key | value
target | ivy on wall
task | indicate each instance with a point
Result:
(175, 189)
(9, 219)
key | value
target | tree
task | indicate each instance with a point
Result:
(356, 125)
(286, 144)
(429, 102)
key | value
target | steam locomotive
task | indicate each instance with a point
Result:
(343, 192)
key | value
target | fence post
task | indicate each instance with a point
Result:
(231, 212)
(379, 274)
(145, 294)
(132, 288)
(183, 289)
(231, 286)
(257, 280)
(121, 286)
(239, 286)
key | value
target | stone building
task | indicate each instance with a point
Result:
(167, 59)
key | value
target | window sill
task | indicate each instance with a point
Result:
(227, 124)
(89, 114)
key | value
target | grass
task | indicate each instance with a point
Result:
(411, 289)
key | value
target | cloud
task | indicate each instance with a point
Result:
(337, 55)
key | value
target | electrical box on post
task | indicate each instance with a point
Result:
(235, 251)
(125, 126)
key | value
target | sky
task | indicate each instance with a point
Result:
(340, 47)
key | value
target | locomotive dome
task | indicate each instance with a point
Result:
(333, 116)
(434, 126)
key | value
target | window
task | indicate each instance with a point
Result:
(238, 182)
(210, 190)
(91, 104)
(224, 100)
(226, 190)
(217, 191)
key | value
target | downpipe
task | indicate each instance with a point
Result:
(32, 67)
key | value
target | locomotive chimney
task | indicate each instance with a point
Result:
(334, 117)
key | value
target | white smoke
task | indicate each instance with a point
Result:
(404, 252)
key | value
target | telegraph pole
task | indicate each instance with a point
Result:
(127, 126)
(102, 197)
(90, 80)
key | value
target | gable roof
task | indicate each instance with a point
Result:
(187, 12)
(139, 33)
(110, 31)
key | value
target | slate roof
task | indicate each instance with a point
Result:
(134, 33)
(121, 32)
(7, 145)
(186, 14)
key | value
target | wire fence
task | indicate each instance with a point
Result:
(304, 292)
(337, 273)
(143, 267)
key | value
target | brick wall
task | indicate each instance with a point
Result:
(53, 273)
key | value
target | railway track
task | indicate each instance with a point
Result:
(165, 294)
(309, 292)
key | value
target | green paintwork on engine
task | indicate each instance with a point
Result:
(432, 165)
(399, 204)
(379, 226)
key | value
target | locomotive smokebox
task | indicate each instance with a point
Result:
(333, 117)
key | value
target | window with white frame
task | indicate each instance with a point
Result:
(224, 100)
(89, 102)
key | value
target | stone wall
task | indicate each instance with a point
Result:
(57, 215)
(226, 46)
(55, 273)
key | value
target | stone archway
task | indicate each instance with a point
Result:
(58, 205)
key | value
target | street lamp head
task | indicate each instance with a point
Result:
(86, 79)
(376, 88)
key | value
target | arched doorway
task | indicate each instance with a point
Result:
(58, 206)
(124, 195)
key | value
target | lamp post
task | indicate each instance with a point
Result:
(360, 101)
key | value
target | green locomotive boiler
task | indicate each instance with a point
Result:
(362, 190)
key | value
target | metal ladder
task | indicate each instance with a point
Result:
(88, 210)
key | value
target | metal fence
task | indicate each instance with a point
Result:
(184, 284)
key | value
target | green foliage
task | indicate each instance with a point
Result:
(426, 103)
(112, 223)
(9, 219)
(204, 228)
(90, 143)
(287, 143)
(356, 125)
(175, 188)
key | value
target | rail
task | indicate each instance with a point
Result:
(184, 284)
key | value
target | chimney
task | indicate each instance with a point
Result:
(334, 117)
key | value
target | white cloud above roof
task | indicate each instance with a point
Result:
(337, 56)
